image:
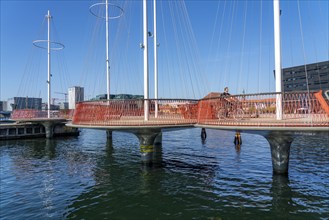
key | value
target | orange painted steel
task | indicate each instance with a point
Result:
(39, 114)
(259, 110)
(304, 109)
(324, 104)
(131, 112)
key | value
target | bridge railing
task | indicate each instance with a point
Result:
(131, 112)
(260, 110)
(38, 114)
(299, 109)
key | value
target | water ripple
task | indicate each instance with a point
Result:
(90, 177)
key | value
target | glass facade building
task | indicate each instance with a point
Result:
(315, 75)
(24, 103)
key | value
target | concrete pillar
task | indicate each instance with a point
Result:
(280, 143)
(157, 153)
(146, 142)
(158, 140)
(49, 128)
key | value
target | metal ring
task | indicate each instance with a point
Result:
(60, 46)
(103, 3)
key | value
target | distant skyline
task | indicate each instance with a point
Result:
(203, 46)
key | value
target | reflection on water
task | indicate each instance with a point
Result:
(92, 177)
(281, 195)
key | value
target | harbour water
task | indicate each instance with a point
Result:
(89, 177)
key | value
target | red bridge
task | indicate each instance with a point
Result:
(303, 113)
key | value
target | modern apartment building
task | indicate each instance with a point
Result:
(75, 95)
(3, 106)
(24, 103)
(294, 78)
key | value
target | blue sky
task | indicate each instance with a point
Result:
(203, 46)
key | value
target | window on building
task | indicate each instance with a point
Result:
(28, 130)
(12, 131)
(3, 131)
(20, 130)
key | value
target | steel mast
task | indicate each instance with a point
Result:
(277, 55)
(107, 49)
(155, 59)
(55, 46)
(107, 17)
(145, 47)
(48, 16)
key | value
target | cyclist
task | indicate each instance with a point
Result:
(227, 104)
(225, 93)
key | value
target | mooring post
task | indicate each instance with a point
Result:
(109, 134)
(280, 143)
(203, 134)
(237, 139)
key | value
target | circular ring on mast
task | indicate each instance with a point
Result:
(120, 10)
(57, 45)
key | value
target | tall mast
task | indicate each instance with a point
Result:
(145, 39)
(107, 50)
(49, 75)
(107, 17)
(155, 58)
(277, 51)
(51, 45)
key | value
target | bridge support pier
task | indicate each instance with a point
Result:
(147, 140)
(158, 140)
(280, 143)
(109, 134)
(49, 128)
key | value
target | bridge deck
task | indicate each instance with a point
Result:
(300, 110)
(302, 121)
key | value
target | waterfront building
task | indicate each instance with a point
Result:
(63, 105)
(294, 78)
(118, 96)
(3, 106)
(76, 94)
(24, 103)
(127, 96)
(52, 107)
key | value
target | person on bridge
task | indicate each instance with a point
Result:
(227, 103)
(225, 93)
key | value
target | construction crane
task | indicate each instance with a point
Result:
(65, 95)
(53, 100)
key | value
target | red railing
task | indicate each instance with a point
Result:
(131, 112)
(38, 114)
(298, 109)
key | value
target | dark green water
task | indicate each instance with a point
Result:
(89, 178)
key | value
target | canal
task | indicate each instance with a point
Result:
(88, 177)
